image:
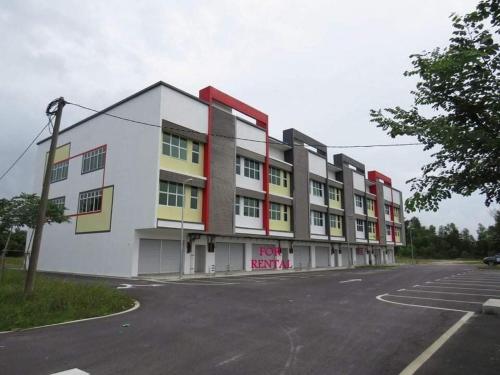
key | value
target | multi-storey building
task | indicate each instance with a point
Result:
(205, 167)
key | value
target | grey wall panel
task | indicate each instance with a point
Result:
(281, 199)
(250, 154)
(222, 174)
(180, 178)
(381, 212)
(349, 204)
(301, 216)
(250, 193)
(280, 165)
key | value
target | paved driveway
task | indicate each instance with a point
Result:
(303, 323)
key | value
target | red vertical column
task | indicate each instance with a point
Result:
(265, 181)
(207, 160)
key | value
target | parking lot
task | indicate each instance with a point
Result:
(363, 321)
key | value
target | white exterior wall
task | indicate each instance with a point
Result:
(182, 110)
(244, 130)
(396, 196)
(131, 166)
(358, 181)
(276, 153)
(317, 165)
(249, 222)
(358, 210)
(314, 199)
(317, 229)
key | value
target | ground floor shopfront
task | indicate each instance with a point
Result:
(160, 253)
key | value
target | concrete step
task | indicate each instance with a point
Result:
(492, 306)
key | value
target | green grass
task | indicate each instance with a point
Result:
(407, 260)
(14, 262)
(378, 266)
(54, 301)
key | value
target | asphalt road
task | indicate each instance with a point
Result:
(325, 322)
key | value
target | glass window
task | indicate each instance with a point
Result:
(251, 207)
(174, 146)
(252, 169)
(94, 160)
(370, 204)
(387, 210)
(171, 194)
(275, 211)
(90, 201)
(59, 171)
(317, 218)
(238, 165)
(388, 230)
(237, 205)
(360, 225)
(194, 198)
(285, 179)
(285, 213)
(275, 176)
(371, 227)
(195, 155)
(317, 188)
(334, 194)
(58, 202)
(359, 200)
(335, 221)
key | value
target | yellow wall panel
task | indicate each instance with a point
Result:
(100, 221)
(164, 212)
(184, 166)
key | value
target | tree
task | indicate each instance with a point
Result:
(456, 112)
(21, 211)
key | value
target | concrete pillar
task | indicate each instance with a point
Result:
(248, 256)
(313, 256)
(338, 252)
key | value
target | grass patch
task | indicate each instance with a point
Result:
(407, 260)
(376, 266)
(55, 301)
(14, 262)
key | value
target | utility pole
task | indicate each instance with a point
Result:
(42, 210)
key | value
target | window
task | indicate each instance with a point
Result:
(398, 232)
(58, 202)
(285, 213)
(388, 230)
(359, 200)
(360, 225)
(252, 169)
(285, 179)
(195, 155)
(250, 207)
(194, 198)
(370, 204)
(94, 160)
(387, 210)
(275, 211)
(334, 194)
(90, 201)
(396, 213)
(174, 146)
(237, 205)
(59, 171)
(371, 227)
(171, 194)
(275, 176)
(238, 165)
(317, 188)
(335, 221)
(317, 218)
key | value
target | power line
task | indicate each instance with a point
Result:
(239, 138)
(25, 150)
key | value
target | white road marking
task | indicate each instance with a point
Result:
(232, 359)
(454, 287)
(422, 358)
(380, 298)
(435, 299)
(457, 293)
(73, 371)
(129, 286)
(349, 281)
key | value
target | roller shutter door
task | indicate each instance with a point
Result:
(301, 257)
(360, 257)
(229, 257)
(256, 256)
(158, 256)
(345, 257)
(322, 256)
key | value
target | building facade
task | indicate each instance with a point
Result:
(170, 163)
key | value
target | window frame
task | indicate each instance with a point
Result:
(95, 196)
(168, 144)
(318, 219)
(387, 209)
(251, 169)
(360, 224)
(61, 167)
(170, 194)
(317, 188)
(360, 201)
(275, 178)
(275, 211)
(55, 202)
(194, 198)
(98, 155)
(237, 205)
(251, 207)
(195, 152)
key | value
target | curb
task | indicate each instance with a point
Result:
(135, 307)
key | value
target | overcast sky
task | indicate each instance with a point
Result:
(317, 66)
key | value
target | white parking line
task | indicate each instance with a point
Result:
(457, 293)
(349, 281)
(434, 299)
(473, 279)
(456, 287)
